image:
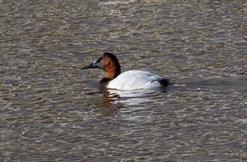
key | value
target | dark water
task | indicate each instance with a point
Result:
(51, 110)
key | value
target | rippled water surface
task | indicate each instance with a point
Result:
(52, 110)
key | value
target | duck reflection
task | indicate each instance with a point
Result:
(122, 98)
(113, 100)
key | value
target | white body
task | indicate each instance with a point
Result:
(135, 79)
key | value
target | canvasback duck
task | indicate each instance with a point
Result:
(129, 80)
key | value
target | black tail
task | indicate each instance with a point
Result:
(164, 81)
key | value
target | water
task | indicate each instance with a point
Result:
(51, 110)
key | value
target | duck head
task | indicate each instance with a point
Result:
(109, 63)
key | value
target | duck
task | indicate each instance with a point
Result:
(128, 80)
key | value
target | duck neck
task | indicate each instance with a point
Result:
(105, 80)
(111, 72)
